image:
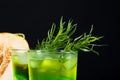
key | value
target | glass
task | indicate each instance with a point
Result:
(20, 64)
(52, 65)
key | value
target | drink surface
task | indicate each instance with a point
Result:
(53, 67)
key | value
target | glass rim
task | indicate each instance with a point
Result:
(20, 49)
(43, 50)
(50, 51)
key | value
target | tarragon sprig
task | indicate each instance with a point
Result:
(62, 40)
(58, 41)
(84, 43)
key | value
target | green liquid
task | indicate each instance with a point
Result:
(20, 67)
(20, 72)
(52, 69)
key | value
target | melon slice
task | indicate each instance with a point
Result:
(9, 41)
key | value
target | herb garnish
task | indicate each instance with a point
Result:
(63, 41)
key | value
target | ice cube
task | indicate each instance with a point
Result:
(70, 63)
(51, 64)
(35, 63)
(22, 60)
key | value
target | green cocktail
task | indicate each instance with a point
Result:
(52, 65)
(45, 64)
(20, 64)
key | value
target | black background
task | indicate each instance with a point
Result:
(34, 18)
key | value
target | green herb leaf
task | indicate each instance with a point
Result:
(63, 41)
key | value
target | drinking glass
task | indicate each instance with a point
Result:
(20, 64)
(52, 65)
